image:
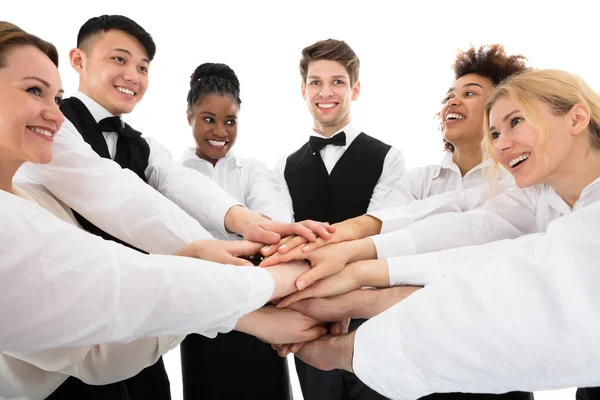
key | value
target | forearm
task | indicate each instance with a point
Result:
(375, 301)
(362, 249)
(358, 228)
(238, 218)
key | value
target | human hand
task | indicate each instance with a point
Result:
(222, 251)
(273, 325)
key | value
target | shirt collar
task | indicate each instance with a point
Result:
(189, 155)
(449, 164)
(97, 111)
(350, 131)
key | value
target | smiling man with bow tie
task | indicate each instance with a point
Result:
(339, 173)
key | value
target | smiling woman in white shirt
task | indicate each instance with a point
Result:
(253, 369)
(42, 258)
(543, 126)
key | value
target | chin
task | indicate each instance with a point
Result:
(43, 158)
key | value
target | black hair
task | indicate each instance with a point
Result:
(213, 78)
(105, 23)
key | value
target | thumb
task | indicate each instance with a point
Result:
(237, 261)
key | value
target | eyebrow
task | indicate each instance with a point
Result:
(42, 81)
(214, 115)
(507, 116)
(129, 53)
(467, 85)
(332, 77)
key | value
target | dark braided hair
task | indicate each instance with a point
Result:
(213, 78)
(489, 61)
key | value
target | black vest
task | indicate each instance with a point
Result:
(343, 194)
(132, 154)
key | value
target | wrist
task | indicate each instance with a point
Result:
(367, 225)
(343, 351)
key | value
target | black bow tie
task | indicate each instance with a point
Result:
(316, 143)
(116, 124)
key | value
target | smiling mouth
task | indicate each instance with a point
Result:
(218, 144)
(125, 91)
(326, 106)
(518, 160)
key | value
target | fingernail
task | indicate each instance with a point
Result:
(306, 248)
(282, 247)
(266, 248)
(301, 285)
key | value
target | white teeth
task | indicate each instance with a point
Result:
(217, 143)
(43, 132)
(326, 105)
(126, 91)
(514, 161)
(454, 116)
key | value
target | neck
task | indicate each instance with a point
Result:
(466, 157)
(8, 169)
(328, 131)
(203, 156)
(581, 169)
(102, 105)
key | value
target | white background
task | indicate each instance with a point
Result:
(405, 55)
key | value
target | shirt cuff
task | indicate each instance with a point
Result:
(417, 270)
(393, 219)
(394, 244)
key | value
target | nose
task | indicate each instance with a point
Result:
(221, 130)
(53, 115)
(454, 101)
(503, 143)
(325, 91)
(131, 73)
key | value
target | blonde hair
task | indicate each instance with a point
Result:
(560, 90)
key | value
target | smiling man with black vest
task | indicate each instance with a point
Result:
(339, 173)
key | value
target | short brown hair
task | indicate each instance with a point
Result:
(331, 50)
(13, 36)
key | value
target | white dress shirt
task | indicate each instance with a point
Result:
(35, 375)
(518, 314)
(248, 181)
(118, 202)
(515, 213)
(62, 286)
(511, 214)
(384, 195)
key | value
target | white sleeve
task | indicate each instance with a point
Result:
(195, 193)
(506, 216)
(114, 199)
(388, 192)
(524, 319)
(265, 194)
(279, 172)
(454, 201)
(77, 289)
(104, 363)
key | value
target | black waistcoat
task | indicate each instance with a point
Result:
(343, 194)
(132, 154)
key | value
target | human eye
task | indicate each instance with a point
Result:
(209, 120)
(58, 99)
(119, 59)
(144, 69)
(515, 121)
(230, 122)
(494, 135)
(338, 82)
(35, 90)
(470, 93)
(315, 82)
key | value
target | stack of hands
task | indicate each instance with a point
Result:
(319, 279)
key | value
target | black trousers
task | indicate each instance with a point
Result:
(589, 393)
(252, 369)
(152, 383)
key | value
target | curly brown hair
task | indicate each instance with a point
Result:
(489, 61)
